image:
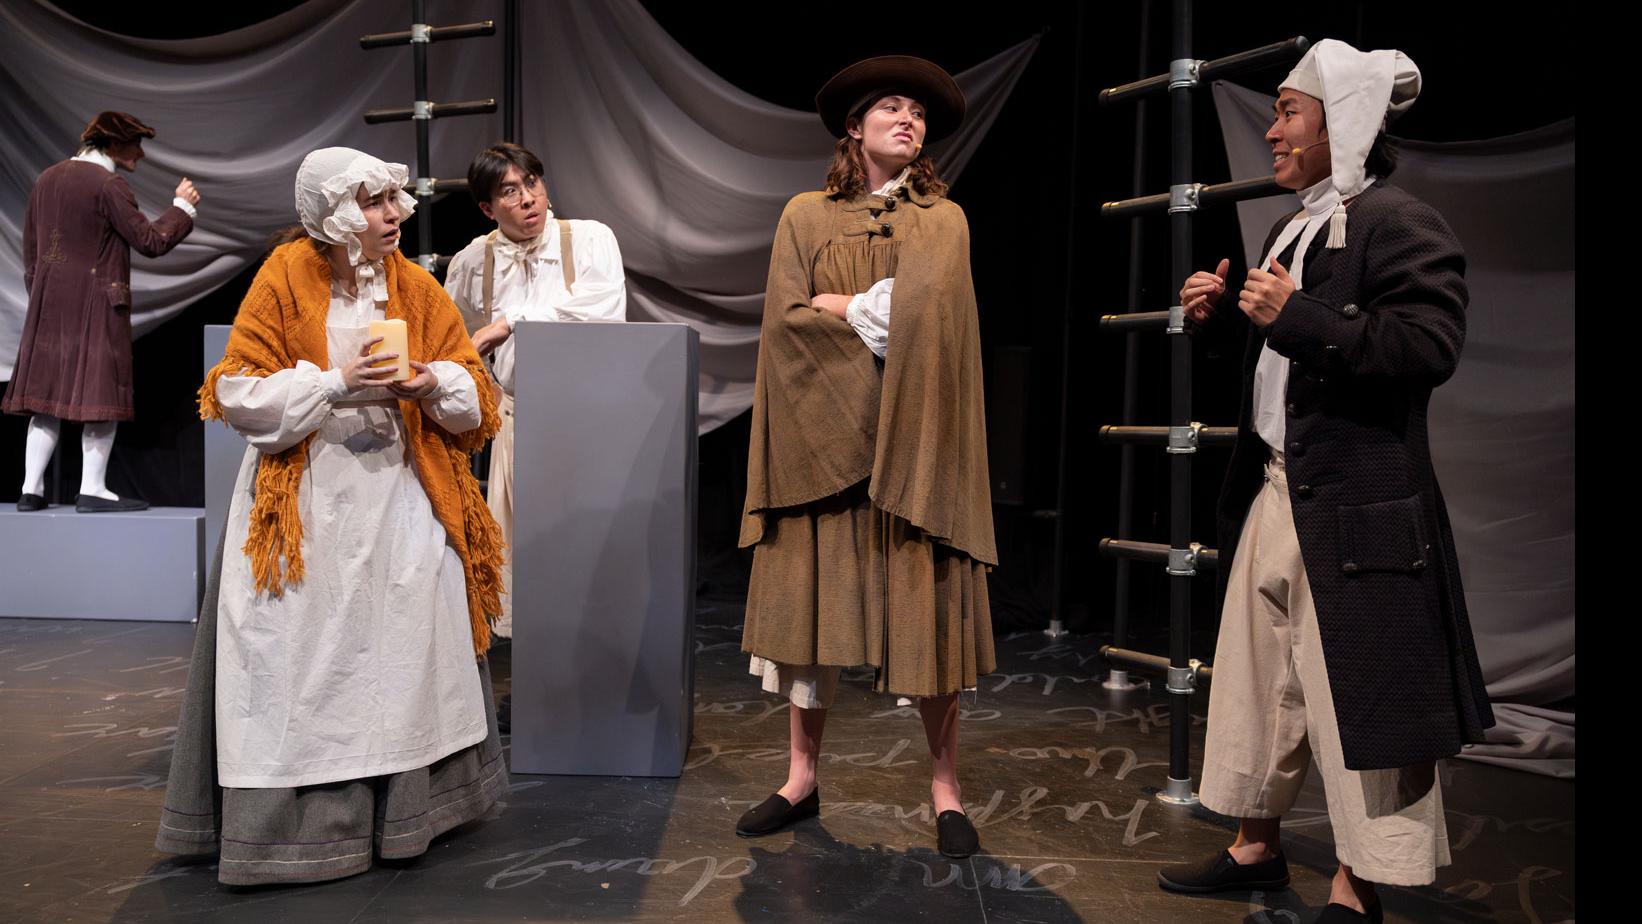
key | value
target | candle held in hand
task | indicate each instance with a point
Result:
(394, 340)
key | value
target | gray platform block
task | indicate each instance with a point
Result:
(59, 564)
(224, 449)
(604, 548)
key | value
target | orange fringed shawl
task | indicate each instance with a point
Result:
(281, 321)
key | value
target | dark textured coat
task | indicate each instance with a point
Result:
(74, 360)
(1378, 325)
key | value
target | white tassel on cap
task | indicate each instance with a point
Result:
(1337, 229)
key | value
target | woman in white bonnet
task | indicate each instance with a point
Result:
(339, 701)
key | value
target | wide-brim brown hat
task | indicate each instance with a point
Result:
(115, 128)
(864, 82)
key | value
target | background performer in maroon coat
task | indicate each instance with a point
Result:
(74, 362)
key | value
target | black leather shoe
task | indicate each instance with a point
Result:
(91, 503)
(776, 812)
(955, 837)
(31, 502)
(1221, 873)
(1336, 913)
(504, 715)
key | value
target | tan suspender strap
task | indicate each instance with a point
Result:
(567, 256)
(490, 275)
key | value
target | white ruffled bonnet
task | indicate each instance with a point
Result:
(325, 191)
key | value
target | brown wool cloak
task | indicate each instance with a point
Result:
(825, 418)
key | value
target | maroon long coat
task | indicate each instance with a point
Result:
(75, 358)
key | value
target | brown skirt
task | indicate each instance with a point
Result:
(840, 582)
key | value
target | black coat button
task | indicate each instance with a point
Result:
(1350, 567)
(1350, 311)
(889, 203)
(1292, 408)
(889, 230)
(1303, 491)
(1297, 449)
(1418, 564)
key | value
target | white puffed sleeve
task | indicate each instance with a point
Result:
(274, 412)
(461, 275)
(868, 313)
(600, 290)
(454, 404)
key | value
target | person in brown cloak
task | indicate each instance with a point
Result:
(868, 502)
(74, 361)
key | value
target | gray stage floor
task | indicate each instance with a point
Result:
(1059, 776)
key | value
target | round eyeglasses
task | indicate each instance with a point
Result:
(510, 194)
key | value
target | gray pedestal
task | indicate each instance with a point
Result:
(64, 565)
(604, 548)
(224, 450)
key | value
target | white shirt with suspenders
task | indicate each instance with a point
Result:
(572, 272)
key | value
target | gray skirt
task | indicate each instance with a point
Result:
(311, 833)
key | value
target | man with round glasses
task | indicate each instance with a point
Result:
(532, 267)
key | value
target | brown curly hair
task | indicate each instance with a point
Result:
(847, 176)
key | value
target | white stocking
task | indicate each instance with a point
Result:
(42, 442)
(96, 443)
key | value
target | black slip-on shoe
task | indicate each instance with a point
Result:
(91, 503)
(29, 503)
(776, 812)
(1336, 913)
(955, 837)
(1221, 873)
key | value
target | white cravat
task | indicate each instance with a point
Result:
(94, 156)
(510, 253)
(1271, 373)
(371, 276)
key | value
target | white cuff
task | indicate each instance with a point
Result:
(184, 204)
(439, 389)
(868, 313)
(335, 387)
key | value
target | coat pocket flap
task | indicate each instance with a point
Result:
(1387, 536)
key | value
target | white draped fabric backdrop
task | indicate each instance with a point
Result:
(690, 172)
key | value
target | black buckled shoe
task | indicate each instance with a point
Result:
(776, 812)
(955, 837)
(1221, 873)
(91, 503)
(29, 503)
(1336, 913)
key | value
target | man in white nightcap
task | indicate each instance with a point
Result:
(1344, 640)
